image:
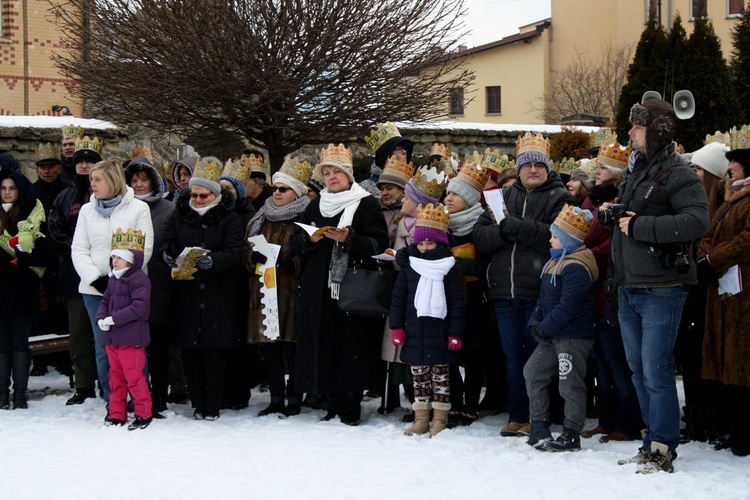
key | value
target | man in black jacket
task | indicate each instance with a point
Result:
(665, 210)
(519, 246)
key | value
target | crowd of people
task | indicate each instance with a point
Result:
(558, 289)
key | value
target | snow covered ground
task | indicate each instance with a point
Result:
(57, 451)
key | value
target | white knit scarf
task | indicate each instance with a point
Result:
(430, 297)
(331, 204)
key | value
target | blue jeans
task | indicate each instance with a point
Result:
(512, 316)
(102, 362)
(649, 318)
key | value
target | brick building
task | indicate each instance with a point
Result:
(30, 84)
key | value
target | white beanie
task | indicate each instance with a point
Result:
(712, 159)
(123, 254)
(294, 183)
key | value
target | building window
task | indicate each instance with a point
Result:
(457, 102)
(697, 9)
(735, 8)
(493, 100)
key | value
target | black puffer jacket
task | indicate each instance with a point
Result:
(515, 267)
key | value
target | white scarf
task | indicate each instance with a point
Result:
(202, 211)
(430, 297)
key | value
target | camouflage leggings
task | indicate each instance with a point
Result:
(431, 383)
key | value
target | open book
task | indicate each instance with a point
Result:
(186, 262)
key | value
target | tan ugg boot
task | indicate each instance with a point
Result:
(439, 417)
(421, 419)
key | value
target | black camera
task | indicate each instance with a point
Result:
(613, 214)
(677, 256)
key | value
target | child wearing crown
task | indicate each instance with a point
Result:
(123, 317)
(427, 317)
(563, 324)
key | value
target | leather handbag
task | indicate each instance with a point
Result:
(367, 292)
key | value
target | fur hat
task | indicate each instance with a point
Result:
(659, 119)
(712, 158)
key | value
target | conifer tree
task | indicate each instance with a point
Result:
(740, 64)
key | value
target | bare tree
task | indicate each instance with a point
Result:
(280, 73)
(586, 85)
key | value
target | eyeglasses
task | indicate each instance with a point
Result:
(534, 165)
(281, 190)
(202, 196)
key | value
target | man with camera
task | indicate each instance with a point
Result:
(662, 208)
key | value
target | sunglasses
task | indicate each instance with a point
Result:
(202, 196)
(281, 190)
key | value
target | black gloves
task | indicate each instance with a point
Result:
(258, 258)
(288, 266)
(706, 273)
(100, 284)
(204, 263)
(536, 331)
(168, 260)
(402, 258)
(509, 228)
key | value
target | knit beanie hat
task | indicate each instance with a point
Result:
(238, 174)
(123, 254)
(431, 224)
(571, 226)
(471, 179)
(581, 175)
(336, 156)
(8, 161)
(712, 158)
(295, 173)
(207, 174)
(532, 148)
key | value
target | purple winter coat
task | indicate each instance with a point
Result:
(128, 301)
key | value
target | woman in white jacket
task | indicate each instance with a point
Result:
(113, 205)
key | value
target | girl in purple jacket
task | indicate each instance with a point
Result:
(123, 317)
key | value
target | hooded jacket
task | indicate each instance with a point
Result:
(515, 267)
(127, 300)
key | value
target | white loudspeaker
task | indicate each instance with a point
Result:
(684, 104)
(651, 94)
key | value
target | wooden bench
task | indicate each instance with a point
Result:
(49, 344)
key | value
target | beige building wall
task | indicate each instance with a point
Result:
(30, 84)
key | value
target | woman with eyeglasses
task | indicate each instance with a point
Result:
(205, 309)
(276, 222)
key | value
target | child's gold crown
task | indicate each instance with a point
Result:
(74, 131)
(431, 182)
(236, 170)
(574, 221)
(473, 173)
(434, 216)
(532, 143)
(494, 161)
(441, 149)
(129, 240)
(209, 168)
(382, 134)
(613, 155)
(90, 144)
(739, 138)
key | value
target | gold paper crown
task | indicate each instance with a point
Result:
(568, 165)
(444, 165)
(431, 182)
(69, 131)
(91, 144)
(46, 152)
(613, 155)
(434, 216)
(589, 167)
(532, 143)
(575, 224)
(441, 149)
(336, 154)
(145, 152)
(721, 137)
(253, 162)
(209, 168)
(493, 160)
(129, 240)
(601, 136)
(398, 168)
(381, 135)
(297, 168)
(739, 138)
(236, 170)
(473, 173)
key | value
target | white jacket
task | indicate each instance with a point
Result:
(92, 240)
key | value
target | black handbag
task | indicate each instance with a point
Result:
(367, 292)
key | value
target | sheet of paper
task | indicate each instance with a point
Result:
(315, 231)
(731, 282)
(494, 199)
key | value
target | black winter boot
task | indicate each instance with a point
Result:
(540, 434)
(569, 440)
(21, 365)
(4, 380)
